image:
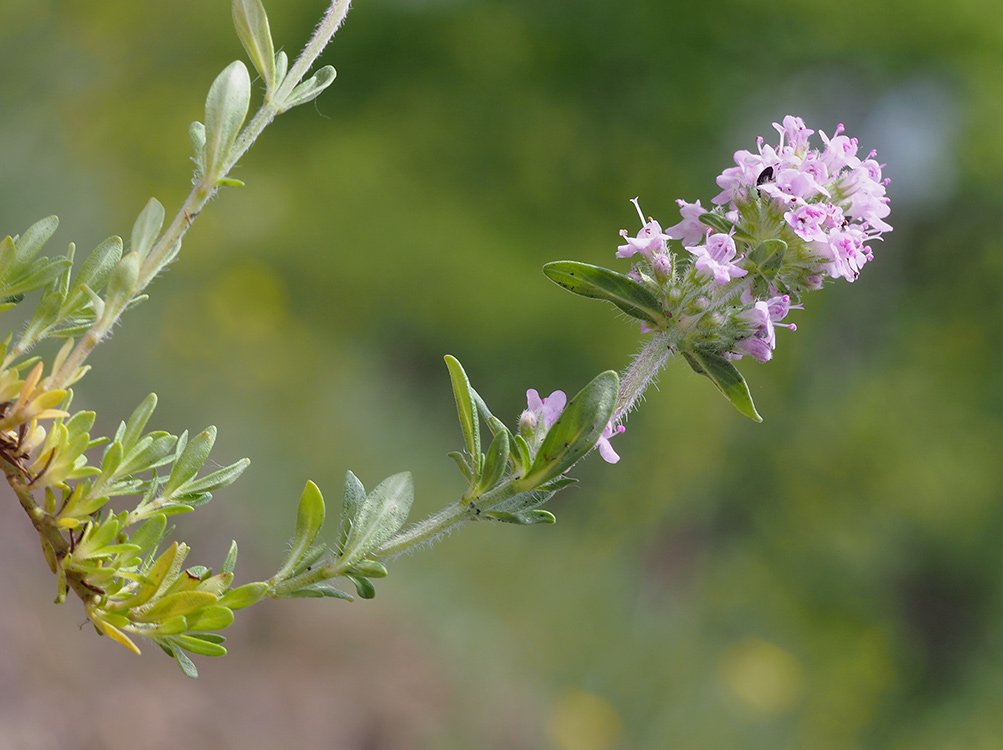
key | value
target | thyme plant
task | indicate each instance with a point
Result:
(713, 287)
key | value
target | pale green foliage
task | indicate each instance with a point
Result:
(102, 516)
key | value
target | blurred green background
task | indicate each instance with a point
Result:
(832, 578)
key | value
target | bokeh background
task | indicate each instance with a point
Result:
(828, 579)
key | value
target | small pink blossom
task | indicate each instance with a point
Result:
(807, 221)
(690, 230)
(716, 257)
(609, 455)
(649, 241)
(549, 408)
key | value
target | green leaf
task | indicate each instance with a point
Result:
(149, 533)
(211, 618)
(462, 464)
(522, 457)
(217, 479)
(199, 646)
(355, 496)
(524, 517)
(466, 411)
(97, 267)
(601, 283)
(309, 520)
(369, 569)
(320, 590)
(495, 464)
(363, 586)
(122, 283)
(196, 134)
(30, 244)
(230, 563)
(311, 88)
(192, 458)
(244, 596)
(576, 431)
(382, 514)
(251, 23)
(726, 378)
(225, 111)
(281, 67)
(186, 664)
(173, 605)
(147, 228)
(133, 428)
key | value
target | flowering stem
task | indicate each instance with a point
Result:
(203, 192)
(641, 373)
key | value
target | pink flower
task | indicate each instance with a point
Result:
(650, 239)
(716, 258)
(807, 221)
(793, 133)
(609, 455)
(690, 230)
(762, 318)
(549, 408)
(845, 253)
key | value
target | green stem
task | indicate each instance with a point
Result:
(427, 531)
(163, 251)
(641, 373)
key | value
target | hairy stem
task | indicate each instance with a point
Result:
(203, 192)
(640, 374)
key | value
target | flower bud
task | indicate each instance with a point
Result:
(527, 423)
(662, 266)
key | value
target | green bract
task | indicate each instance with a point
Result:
(601, 283)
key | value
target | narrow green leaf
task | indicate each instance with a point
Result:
(462, 464)
(576, 431)
(311, 88)
(121, 283)
(244, 596)
(192, 457)
(309, 519)
(217, 479)
(524, 517)
(211, 618)
(381, 516)
(363, 586)
(281, 67)
(369, 569)
(251, 23)
(320, 590)
(496, 463)
(230, 563)
(355, 496)
(186, 664)
(173, 605)
(466, 411)
(726, 378)
(225, 111)
(150, 533)
(199, 646)
(97, 267)
(30, 244)
(147, 228)
(601, 283)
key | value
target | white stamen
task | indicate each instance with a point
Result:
(640, 213)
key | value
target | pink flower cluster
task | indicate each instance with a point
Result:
(829, 197)
(788, 216)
